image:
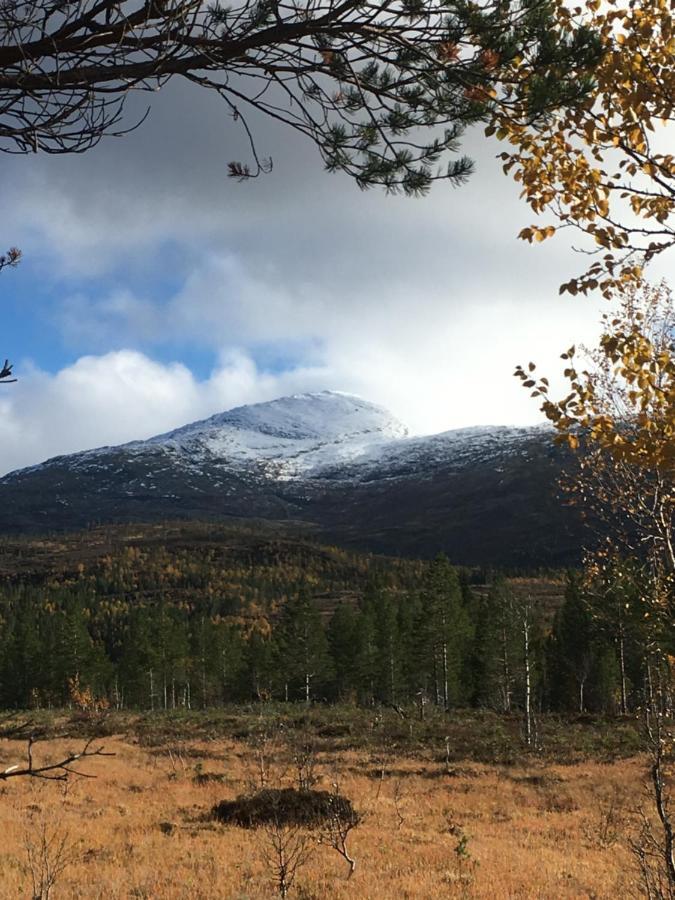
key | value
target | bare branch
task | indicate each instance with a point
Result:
(58, 771)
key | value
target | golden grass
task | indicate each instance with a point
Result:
(533, 830)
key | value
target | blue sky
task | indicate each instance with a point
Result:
(41, 311)
(155, 291)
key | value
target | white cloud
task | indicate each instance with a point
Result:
(122, 396)
(97, 400)
(434, 372)
(424, 306)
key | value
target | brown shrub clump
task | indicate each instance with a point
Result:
(285, 806)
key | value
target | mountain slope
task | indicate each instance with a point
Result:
(333, 463)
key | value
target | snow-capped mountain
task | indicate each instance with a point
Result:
(292, 437)
(333, 461)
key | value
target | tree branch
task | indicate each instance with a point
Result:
(58, 771)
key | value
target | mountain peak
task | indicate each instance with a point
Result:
(324, 416)
(330, 461)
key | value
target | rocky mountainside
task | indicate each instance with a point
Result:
(329, 462)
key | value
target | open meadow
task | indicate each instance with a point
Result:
(438, 819)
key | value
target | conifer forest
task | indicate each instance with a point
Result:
(200, 622)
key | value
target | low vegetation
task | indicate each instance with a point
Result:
(283, 806)
(424, 822)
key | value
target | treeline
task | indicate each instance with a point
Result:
(399, 641)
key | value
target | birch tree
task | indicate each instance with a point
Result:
(604, 168)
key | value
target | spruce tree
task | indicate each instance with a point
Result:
(303, 655)
(389, 640)
(259, 673)
(497, 648)
(446, 632)
(24, 660)
(344, 645)
(570, 652)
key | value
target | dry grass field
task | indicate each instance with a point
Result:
(141, 827)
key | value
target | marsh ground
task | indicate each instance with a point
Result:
(435, 824)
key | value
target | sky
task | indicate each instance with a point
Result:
(155, 291)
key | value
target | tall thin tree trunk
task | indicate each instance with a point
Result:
(528, 684)
(657, 741)
(152, 691)
(506, 673)
(223, 673)
(622, 671)
(203, 662)
(392, 680)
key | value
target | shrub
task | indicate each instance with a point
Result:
(284, 806)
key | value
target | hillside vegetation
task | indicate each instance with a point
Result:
(195, 615)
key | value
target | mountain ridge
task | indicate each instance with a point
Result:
(333, 462)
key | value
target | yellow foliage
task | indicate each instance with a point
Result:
(598, 166)
(83, 698)
(621, 412)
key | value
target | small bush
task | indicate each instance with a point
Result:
(334, 729)
(284, 806)
(202, 778)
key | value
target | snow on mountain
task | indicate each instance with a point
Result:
(460, 447)
(291, 437)
(286, 438)
(316, 436)
(333, 463)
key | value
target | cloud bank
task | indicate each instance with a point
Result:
(170, 292)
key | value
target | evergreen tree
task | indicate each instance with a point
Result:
(138, 668)
(367, 651)
(497, 648)
(344, 641)
(570, 652)
(227, 661)
(615, 598)
(445, 631)
(259, 672)
(409, 618)
(389, 649)
(22, 673)
(302, 647)
(75, 657)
